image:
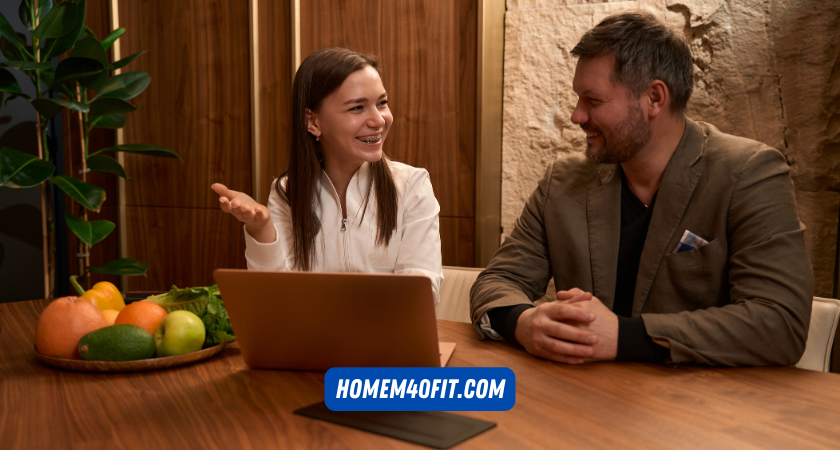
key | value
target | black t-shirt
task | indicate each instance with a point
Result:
(634, 344)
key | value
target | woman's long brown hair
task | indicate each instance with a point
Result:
(320, 74)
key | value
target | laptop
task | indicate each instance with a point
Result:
(319, 320)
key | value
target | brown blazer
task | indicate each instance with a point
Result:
(742, 299)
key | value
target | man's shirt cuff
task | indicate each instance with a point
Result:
(634, 343)
(503, 320)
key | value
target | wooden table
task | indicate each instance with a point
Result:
(222, 404)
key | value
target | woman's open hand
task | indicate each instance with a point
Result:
(255, 216)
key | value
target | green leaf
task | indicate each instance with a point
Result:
(91, 48)
(47, 78)
(89, 232)
(114, 121)
(124, 62)
(89, 33)
(10, 98)
(216, 323)
(111, 38)
(25, 12)
(125, 86)
(122, 266)
(106, 164)
(18, 169)
(48, 107)
(58, 46)
(143, 149)
(44, 8)
(8, 32)
(8, 83)
(27, 65)
(88, 195)
(59, 22)
(82, 70)
(13, 52)
(109, 106)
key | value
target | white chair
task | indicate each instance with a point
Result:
(455, 293)
(825, 313)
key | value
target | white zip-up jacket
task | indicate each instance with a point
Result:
(350, 246)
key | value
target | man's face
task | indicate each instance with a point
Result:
(615, 126)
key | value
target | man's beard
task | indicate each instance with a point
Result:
(626, 140)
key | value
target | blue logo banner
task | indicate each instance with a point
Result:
(420, 389)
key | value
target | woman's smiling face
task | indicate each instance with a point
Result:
(353, 121)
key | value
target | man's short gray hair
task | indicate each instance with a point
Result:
(645, 49)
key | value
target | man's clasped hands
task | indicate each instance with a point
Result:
(574, 328)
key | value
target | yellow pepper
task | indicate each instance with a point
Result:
(103, 295)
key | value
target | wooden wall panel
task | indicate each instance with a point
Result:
(275, 80)
(183, 255)
(457, 242)
(467, 32)
(428, 53)
(198, 104)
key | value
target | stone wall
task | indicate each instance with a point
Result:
(767, 70)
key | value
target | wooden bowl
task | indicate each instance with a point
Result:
(140, 365)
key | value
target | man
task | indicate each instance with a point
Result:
(669, 241)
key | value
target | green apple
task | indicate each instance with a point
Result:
(178, 333)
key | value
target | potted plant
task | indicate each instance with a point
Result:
(85, 83)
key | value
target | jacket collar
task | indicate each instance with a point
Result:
(356, 191)
(603, 211)
(678, 183)
(603, 214)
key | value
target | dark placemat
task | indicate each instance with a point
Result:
(430, 428)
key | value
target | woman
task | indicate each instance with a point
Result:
(342, 206)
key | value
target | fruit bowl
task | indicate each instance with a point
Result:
(140, 365)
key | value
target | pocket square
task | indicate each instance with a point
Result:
(689, 241)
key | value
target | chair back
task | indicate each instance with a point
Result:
(825, 313)
(455, 293)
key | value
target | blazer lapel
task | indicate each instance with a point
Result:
(678, 183)
(603, 214)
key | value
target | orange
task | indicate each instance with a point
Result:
(62, 323)
(110, 315)
(146, 315)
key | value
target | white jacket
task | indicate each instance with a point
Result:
(351, 246)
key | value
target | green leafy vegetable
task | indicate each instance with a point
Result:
(216, 323)
(206, 303)
(193, 300)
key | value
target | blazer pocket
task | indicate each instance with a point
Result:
(696, 257)
(698, 275)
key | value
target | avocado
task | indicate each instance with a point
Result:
(117, 343)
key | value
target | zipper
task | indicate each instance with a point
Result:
(343, 226)
(344, 237)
